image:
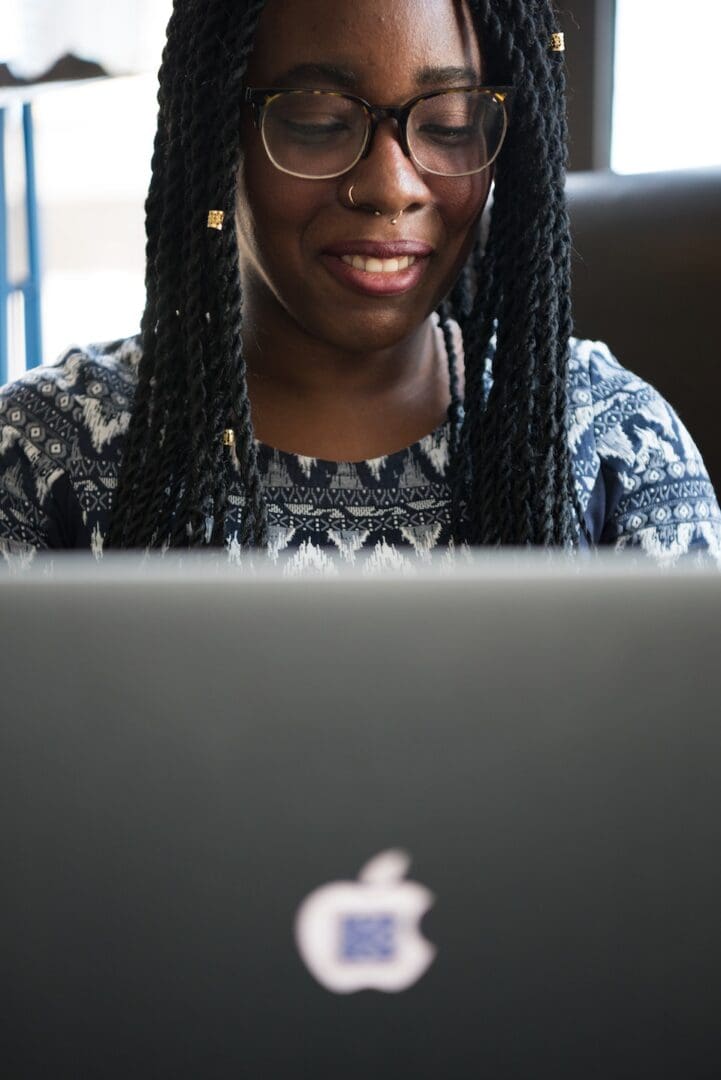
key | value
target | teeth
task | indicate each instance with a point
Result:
(379, 266)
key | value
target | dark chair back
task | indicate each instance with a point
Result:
(647, 280)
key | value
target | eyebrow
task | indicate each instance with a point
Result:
(445, 76)
(307, 73)
(429, 76)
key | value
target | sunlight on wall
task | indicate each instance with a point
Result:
(667, 99)
(121, 36)
(93, 144)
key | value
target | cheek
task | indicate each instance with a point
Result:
(462, 199)
(275, 210)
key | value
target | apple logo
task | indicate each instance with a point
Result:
(364, 934)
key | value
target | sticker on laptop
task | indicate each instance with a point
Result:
(365, 934)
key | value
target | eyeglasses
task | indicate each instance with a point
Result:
(320, 134)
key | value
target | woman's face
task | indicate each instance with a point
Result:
(293, 232)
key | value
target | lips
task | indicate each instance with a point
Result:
(377, 249)
(378, 268)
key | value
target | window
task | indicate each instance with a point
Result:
(666, 98)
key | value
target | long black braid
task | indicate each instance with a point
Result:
(511, 467)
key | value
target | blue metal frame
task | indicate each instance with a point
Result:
(30, 287)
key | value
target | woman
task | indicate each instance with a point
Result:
(327, 358)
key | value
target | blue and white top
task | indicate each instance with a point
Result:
(640, 478)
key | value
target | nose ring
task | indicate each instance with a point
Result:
(354, 204)
(396, 217)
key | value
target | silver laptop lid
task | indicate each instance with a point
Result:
(465, 823)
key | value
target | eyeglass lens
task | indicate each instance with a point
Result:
(319, 135)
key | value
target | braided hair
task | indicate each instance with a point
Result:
(511, 468)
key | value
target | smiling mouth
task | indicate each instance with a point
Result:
(376, 267)
(379, 266)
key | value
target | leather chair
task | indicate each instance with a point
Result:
(647, 280)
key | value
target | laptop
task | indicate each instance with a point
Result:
(459, 823)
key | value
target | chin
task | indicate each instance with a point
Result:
(368, 324)
(363, 332)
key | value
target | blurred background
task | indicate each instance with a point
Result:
(631, 111)
(93, 144)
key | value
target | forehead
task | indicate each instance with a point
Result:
(379, 44)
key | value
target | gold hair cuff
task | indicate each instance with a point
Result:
(216, 219)
(558, 43)
(228, 437)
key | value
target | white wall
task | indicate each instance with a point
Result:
(93, 145)
(122, 34)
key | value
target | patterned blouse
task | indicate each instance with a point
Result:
(639, 476)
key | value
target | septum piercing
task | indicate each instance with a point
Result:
(376, 213)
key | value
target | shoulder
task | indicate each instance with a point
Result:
(80, 370)
(87, 390)
(61, 431)
(657, 492)
(634, 427)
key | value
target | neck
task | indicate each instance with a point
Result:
(330, 400)
(281, 353)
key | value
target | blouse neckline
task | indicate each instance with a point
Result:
(265, 451)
